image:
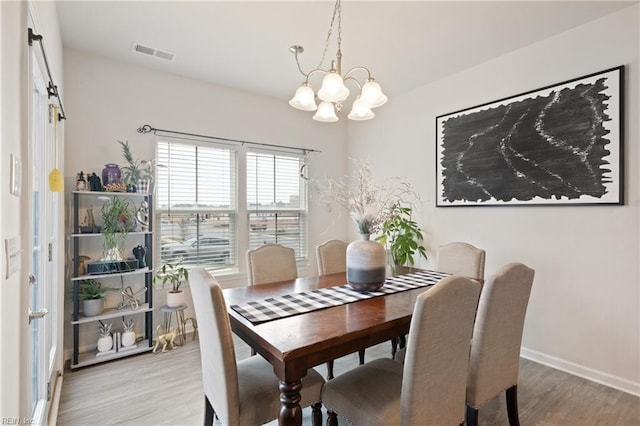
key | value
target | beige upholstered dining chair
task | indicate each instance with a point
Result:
(271, 263)
(455, 258)
(461, 259)
(430, 389)
(497, 336)
(242, 393)
(332, 257)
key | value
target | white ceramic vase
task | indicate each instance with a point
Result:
(175, 299)
(366, 264)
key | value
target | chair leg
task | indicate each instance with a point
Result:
(394, 347)
(512, 406)
(332, 418)
(402, 341)
(472, 416)
(316, 414)
(361, 356)
(209, 412)
(329, 370)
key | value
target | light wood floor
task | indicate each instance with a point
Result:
(166, 389)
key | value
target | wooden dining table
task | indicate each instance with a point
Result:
(297, 343)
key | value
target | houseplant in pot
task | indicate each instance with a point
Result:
(117, 218)
(401, 235)
(174, 275)
(92, 294)
(136, 174)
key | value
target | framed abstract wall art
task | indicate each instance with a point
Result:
(559, 144)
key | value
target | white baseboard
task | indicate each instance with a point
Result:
(606, 379)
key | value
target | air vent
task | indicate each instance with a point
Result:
(150, 51)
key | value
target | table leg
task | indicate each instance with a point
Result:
(167, 322)
(290, 410)
(183, 328)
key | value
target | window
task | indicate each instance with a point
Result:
(201, 208)
(197, 204)
(276, 201)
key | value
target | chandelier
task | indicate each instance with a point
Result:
(334, 91)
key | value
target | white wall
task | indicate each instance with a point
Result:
(584, 312)
(14, 301)
(107, 101)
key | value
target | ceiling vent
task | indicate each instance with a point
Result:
(150, 51)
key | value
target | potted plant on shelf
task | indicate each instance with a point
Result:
(401, 235)
(136, 174)
(92, 294)
(117, 218)
(175, 275)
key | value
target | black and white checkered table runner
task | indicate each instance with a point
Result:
(260, 311)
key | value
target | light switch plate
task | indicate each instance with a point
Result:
(12, 251)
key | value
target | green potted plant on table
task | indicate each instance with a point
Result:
(136, 174)
(401, 235)
(92, 294)
(175, 275)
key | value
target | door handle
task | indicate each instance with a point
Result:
(32, 279)
(37, 314)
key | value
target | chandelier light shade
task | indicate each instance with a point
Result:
(334, 91)
(326, 113)
(304, 99)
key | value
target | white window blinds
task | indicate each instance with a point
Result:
(277, 201)
(196, 199)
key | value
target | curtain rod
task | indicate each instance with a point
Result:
(148, 129)
(52, 89)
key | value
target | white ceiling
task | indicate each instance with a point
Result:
(245, 45)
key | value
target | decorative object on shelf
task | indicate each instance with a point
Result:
(166, 339)
(115, 187)
(333, 91)
(105, 342)
(131, 299)
(92, 294)
(95, 184)
(89, 223)
(174, 274)
(128, 337)
(366, 264)
(82, 265)
(111, 174)
(140, 252)
(117, 218)
(560, 144)
(142, 216)
(81, 183)
(136, 174)
(401, 236)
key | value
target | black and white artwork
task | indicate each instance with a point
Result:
(560, 144)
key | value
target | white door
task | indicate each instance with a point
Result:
(42, 207)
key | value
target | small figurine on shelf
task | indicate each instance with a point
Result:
(140, 252)
(105, 342)
(128, 335)
(81, 183)
(95, 184)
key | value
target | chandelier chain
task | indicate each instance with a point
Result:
(336, 10)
